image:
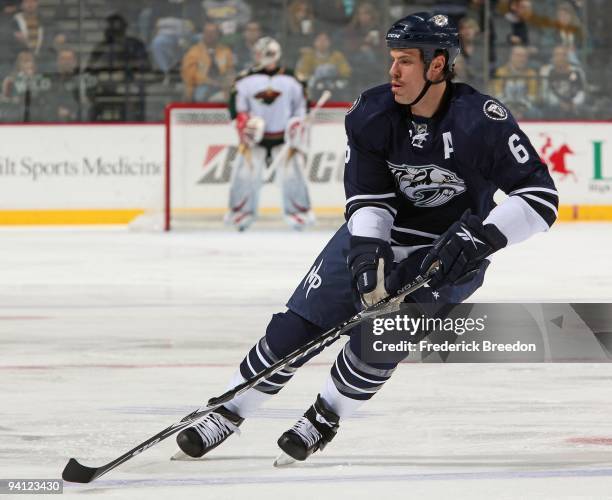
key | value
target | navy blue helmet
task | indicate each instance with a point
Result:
(428, 32)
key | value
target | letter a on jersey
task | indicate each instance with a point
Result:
(448, 144)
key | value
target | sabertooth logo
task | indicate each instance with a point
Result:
(267, 96)
(440, 20)
(427, 185)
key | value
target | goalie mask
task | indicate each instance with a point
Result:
(266, 51)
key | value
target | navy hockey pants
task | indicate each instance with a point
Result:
(324, 299)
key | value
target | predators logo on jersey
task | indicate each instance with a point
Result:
(427, 185)
(267, 96)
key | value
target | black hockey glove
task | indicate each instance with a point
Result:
(370, 261)
(461, 250)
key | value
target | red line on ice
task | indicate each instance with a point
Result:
(606, 441)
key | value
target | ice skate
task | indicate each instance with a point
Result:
(209, 433)
(310, 433)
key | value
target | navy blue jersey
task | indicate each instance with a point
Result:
(427, 172)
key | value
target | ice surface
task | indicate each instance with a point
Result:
(106, 337)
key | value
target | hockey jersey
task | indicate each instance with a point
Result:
(408, 178)
(274, 96)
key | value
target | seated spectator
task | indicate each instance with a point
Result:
(271, 15)
(118, 65)
(563, 86)
(173, 31)
(229, 15)
(208, 68)
(518, 15)
(243, 51)
(333, 14)
(300, 30)
(516, 84)
(24, 91)
(325, 69)
(568, 30)
(472, 55)
(30, 34)
(363, 45)
(476, 10)
(9, 7)
(63, 100)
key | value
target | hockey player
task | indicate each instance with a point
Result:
(269, 106)
(424, 158)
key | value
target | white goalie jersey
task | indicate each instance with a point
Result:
(275, 96)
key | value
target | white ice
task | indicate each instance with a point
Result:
(107, 337)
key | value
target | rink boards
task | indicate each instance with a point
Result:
(92, 173)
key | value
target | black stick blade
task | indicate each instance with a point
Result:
(77, 473)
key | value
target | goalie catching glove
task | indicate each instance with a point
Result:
(370, 261)
(461, 250)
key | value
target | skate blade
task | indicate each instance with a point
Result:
(283, 460)
(183, 457)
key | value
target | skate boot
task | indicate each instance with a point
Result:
(310, 433)
(209, 433)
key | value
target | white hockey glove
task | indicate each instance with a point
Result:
(250, 128)
(297, 134)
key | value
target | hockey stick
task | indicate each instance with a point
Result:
(78, 473)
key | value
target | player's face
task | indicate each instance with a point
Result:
(406, 74)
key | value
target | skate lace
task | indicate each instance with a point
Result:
(307, 432)
(214, 428)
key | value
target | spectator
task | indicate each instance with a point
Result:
(271, 15)
(333, 14)
(472, 55)
(518, 15)
(563, 88)
(63, 101)
(325, 69)
(24, 91)
(208, 68)
(568, 30)
(118, 65)
(173, 32)
(243, 51)
(300, 29)
(30, 34)
(229, 15)
(363, 45)
(8, 7)
(476, 10)
(516, 84)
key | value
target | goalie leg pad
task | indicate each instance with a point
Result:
(297, 209)
(245, 185)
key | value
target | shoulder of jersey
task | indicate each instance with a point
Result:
(244, 73)
(481, 108)
(371, 106)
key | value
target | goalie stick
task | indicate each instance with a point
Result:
(77, 473)
(308, 121)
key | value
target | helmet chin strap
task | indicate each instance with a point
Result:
(428, 83)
